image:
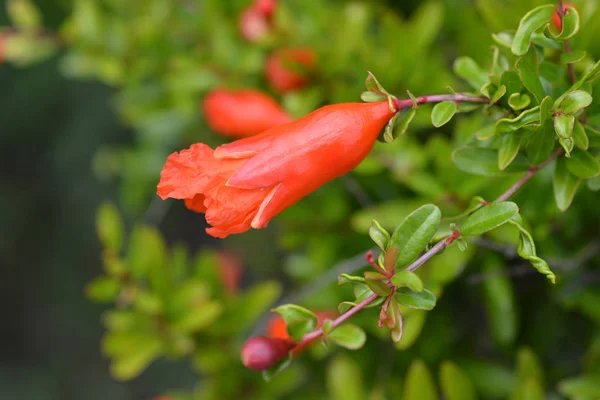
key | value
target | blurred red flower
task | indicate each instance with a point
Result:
(286, 69)
(242, 113)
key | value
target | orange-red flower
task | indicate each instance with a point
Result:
(242, 113)
(243, 184)
(285, 69)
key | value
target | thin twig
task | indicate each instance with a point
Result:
(560, 10)
(309, 337)
(532, 171)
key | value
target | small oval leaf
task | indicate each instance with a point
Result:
(415, 232)
(349, 336)
(489, 217)
(443, 112)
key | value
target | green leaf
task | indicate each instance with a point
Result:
(526, 250)
(581, 387)
(528, 69)
(528, 366)
(24, 13)
(499, 301)
(541, 144)
(424, 300)
(518, 101)
(408, 279)
(443, 112)
(580, 138)
(147, 251)
(486, 132)
(344, 379)
(567, 144)
(498, 94)
(272, 372)
(346, 278)
(109, 227)
(532, 21)
(564, 125)
(488, 217)
(131, 353)
(197, 318)
(582, 164)
(247, 307)
(419, 384)
(504, 39)
(512, 81)
(484, 162)
(570, 25)
(565, 185)
(455, 384)
(103, 289)
(509, 148)
(299, 320)
(374, 86)
(594, 184)
(380, 236)
(572, 57)
(398, 125)
(349, 336)
(396, 325)
(527, 117)
(529, 390)
(575, 101)
(415, 232)
(370, 97)
(378, 287)
(467, 68)
(412, 326)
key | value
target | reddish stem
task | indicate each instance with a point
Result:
(457, 98)
(309, 337)
(560, 10)
(532, 171)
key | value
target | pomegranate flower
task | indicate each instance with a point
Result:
(243, 184)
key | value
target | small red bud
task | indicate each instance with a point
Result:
(260, 353)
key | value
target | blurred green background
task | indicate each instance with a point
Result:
(69, 144)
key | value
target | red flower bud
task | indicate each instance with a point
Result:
(260, 353)
(285, 69)
(556, 21)
(242, 113)
(243, 184)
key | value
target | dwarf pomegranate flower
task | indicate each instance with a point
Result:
(230, 271)
(243, 184)
(284, 68)
(242, 113)
(260, 353)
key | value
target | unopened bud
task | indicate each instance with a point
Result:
(260, 353)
